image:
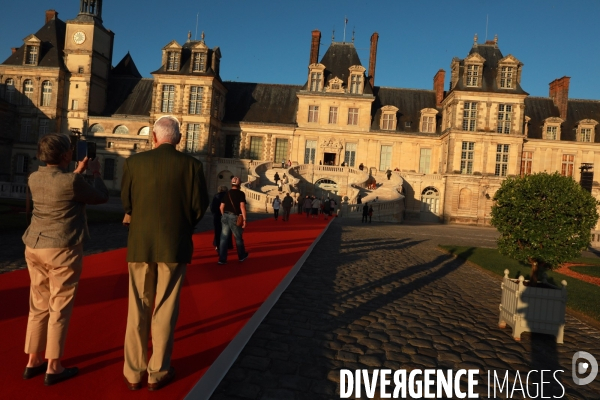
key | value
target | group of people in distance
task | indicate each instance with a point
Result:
(159, 248)
(287, 203)
(280, 181)
(313, 206)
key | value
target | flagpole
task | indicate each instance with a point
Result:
(345, 22)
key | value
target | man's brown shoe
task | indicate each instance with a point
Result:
(163, 382)
(132, 386)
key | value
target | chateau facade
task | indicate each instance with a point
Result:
(453, 145)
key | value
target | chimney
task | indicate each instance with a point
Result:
(50, 15)
(373, 58)
(438, 86)
(314, 47)
(559, 93)
(14, 50)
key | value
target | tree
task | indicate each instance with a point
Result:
(544, 220)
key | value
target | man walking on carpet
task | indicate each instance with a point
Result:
(164, 196)
(233, 206)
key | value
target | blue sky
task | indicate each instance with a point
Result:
(269, 41)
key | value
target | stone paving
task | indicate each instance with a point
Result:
(382, 296)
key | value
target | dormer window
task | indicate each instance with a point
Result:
(473, 70)
(315, 77)
(428, 124)
(586, 130)
(199, 62)
(509, 72)
(315, 81)
(473, 75)
(32, 55)
(336, 85)
(172, 61)
(506, 77)
(356, 82)
(388, 118)
(551, 128)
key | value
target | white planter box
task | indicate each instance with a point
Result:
(532, 309)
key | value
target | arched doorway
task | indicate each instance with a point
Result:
(430, 204)
(326, 188)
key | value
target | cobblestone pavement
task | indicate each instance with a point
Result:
(382, 296)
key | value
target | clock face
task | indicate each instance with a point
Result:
(79, 37)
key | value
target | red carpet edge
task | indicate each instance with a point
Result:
(207, 384)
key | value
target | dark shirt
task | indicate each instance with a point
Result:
(216, 203)
(287, 201)
(237, 197)
(365, 210)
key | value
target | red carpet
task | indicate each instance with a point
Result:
(216, 302)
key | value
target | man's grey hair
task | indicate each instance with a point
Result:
(166, 129)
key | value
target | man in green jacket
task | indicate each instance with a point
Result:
(164, 196)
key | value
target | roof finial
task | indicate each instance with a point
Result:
(189, 36)
(496, 40)
(332, 36)
(353, 28)
(475, 40)
(202, 37)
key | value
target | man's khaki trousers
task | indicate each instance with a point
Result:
(54, 275)
(153, 305)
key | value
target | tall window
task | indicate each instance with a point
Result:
(42, 127)
(74, 104)
(310, 151)
(428, 124)
(585, 134)
(199, 64)
(22, 168)
(466, 158)
(551, 132)
(470, 117)
(353, 116)
(568, 162)
(46, 93)
(504, 118)
(25, 130)
(192, 143)
(256, 145)
(506, 77)
(9, 93)
(168, 98)
(350, 155)
(355, 83)
(526, 161)
(196, 93)
(315, 81)
(425, 161)
(313, 113)
(109, 169)
(473, 75)
(501, 159)
(28, 91)
(389, 122)
(281, 150)
(173, 61)
(333, 112)
(385, 160)
(32, 55)
(230, 148)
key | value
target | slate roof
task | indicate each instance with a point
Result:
(186, 59)
(410, 102)
(126, 67)
(129, 96)
(337, 59)
(261, 103)
(540, 108)
(52, 35)
(492, 55)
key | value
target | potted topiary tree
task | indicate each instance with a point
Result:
(544, 220)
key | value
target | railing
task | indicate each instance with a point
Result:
(13, 190)
(256, 201)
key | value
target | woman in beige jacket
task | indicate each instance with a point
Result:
(54, 252)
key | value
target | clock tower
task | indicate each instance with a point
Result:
(88, 58)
